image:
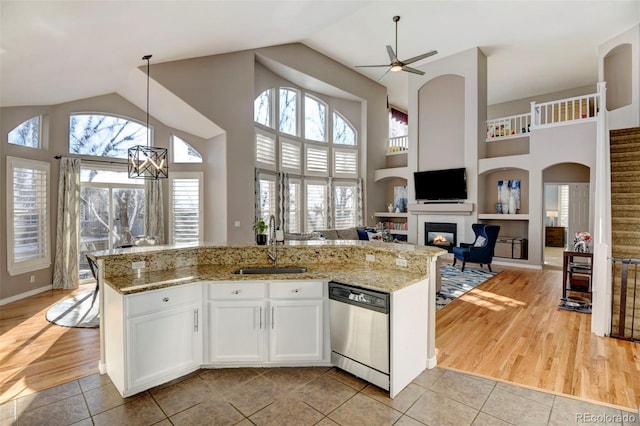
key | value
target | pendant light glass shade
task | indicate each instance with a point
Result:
(147, 162)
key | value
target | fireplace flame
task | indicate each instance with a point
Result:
(440, 240)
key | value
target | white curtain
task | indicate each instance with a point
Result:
(283, 201)
(359, 204)
(330, 224)
(154, 216)
(65, 269)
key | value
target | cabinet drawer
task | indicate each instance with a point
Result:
(236, 290)
(166, 298)
(296, 290)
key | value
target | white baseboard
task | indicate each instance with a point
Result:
(432, 362)
(25, 295)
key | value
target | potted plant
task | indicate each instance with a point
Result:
(260, 227)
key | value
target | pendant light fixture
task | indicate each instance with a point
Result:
(145, 161)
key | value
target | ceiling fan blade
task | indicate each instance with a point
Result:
(413, 70)
(417, 58)
(385, 74)
(392, 54)
(366, 66)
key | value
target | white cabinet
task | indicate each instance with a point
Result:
(257, 323)
(296, 328)
(236, 322)
(157, 337)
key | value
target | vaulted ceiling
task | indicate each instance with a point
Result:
(57, 51)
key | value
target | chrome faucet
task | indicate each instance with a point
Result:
(272, 250)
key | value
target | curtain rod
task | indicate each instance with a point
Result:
(57, 157)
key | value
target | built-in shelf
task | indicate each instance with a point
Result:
(398, 232)
(386, 214)
(440, 208)
(392, 172)
(497, 216)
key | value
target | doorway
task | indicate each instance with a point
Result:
(566, 210)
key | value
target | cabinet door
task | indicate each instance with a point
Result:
(296, 330)
(236, 331)
(163, 345)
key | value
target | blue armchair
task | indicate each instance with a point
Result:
(481, 250)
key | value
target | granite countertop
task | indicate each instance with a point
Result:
(356, 274)
(341, 260)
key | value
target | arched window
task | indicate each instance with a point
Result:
(262, 108)
(27, 133)
(343, 131)
(183, 152)
(104, 135)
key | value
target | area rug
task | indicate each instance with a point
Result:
(454, 283)
(80, 310)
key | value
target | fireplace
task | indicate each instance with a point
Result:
(441, 235)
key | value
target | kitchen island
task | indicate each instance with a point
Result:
(169, 310)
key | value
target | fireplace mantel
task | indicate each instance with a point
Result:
(464, 209)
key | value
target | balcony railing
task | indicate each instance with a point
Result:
(508, 127)
(398, 144)
(566, 111)
(546, 114)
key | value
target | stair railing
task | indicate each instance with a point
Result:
(626, 324)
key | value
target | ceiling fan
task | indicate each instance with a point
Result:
(396, 64)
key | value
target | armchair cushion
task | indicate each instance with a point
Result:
(480, 241)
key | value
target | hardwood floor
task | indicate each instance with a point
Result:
(508, 329)
(35, 354)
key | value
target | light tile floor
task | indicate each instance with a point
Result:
(304, 396)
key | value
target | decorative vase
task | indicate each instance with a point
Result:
(512, 204)
(261, 239)
(498, 208)
(390, 207)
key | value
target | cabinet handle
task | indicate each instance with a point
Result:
(166, 299)
(296, 290)
(236, 292)
(195, 320)
(272, 318)
(260, 318)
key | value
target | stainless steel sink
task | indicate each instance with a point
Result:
(271, 270)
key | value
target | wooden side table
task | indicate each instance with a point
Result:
(577, 273)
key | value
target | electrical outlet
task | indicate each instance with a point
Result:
(401, 262)
(370, 258)
(32, 279)
(138, 265)
(236, 224)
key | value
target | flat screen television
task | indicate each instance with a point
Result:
(441, 185)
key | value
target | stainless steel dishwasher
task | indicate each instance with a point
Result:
(360, 332)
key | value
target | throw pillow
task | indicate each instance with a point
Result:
(480, 241)
(375, 236)
(363, 234)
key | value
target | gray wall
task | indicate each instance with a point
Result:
(222, 89)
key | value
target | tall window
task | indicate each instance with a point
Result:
(322, 146)
(111, 210)
(266, 196)
(295, 205)
(104, 135)
(345, 205)
(28, 215)
(398, 123)
(315, 119)
(27, 133)
(289, 111)
(185, 210)
(316, 205)
(183, 152)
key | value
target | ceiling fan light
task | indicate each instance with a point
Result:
(396, 68)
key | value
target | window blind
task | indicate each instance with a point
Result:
(317, 161)
(266, 149)
(186, 218)
(290, 155)
(345, 163)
